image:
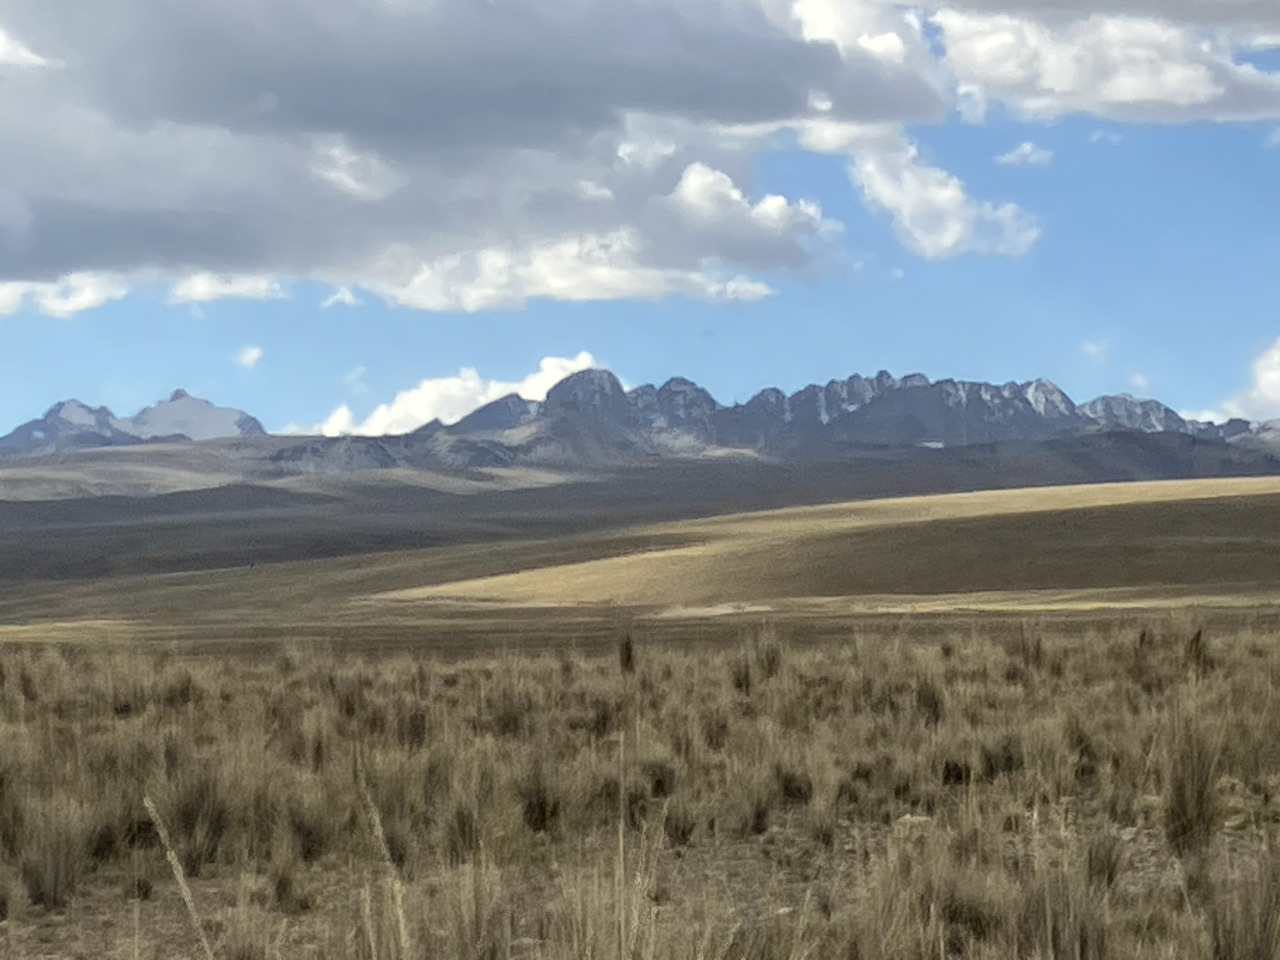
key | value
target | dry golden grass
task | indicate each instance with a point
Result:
(855, 548)
(1007, 793)
(1109, 550)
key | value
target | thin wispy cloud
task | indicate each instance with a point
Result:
(341, 296)
(1094, 349)
(1026, 154)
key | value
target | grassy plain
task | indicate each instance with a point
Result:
(1032, 724)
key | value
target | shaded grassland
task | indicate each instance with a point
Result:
(1116, 546)
(1009, 791)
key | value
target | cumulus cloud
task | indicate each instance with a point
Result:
(461, 155)
(297, 139)
(1261, 401)
(249, 357)
(68, 296)
(932, 212)
(1141, 383)
(1124, 67)
(449, 399)
(205, 287)
(1026, 154)
(583, 268)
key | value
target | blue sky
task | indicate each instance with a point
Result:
(1127, 242)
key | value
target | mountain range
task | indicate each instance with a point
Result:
(590, 419)
(71, 424)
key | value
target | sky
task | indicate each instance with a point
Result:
(358, 215)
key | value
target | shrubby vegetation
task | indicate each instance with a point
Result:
(1007, 794)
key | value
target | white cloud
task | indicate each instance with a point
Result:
(14, 54)
(343, 296)
(249, 357)
(1026, 155)
(590, 190)
(709, 198)
(1273, 139)
(579, 269)
(355, 379)
(74, 293)
(932, 213)
(1094, 349)
(1261, 401)
(1127, 67)
(892, 36)
(361, 176)
(491, 167)
(1140, 383)
(647, 154)
(12, 297)
(897, 273)
(449, 399)
(1204, 416)
(1106, 136)
(205, 287)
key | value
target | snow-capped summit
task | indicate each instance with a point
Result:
(71, 424)
(190, 417)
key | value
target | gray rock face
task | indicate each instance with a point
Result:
(504, 413)
(1130, 413)
(595, 393)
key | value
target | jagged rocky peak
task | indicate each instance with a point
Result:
(683, 401)
(78, 414)
(1048, 399)
(770, 401)
(1129, 412)
(682, 406)
(505, 413)
(429, 429)
(588, 391)
(644, 397)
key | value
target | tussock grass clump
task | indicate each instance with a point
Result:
(1243, 913)
(55, 851)
(1064, 918)
(1190, 802)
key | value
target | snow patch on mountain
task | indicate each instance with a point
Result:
(71, 424)
(190, 417)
